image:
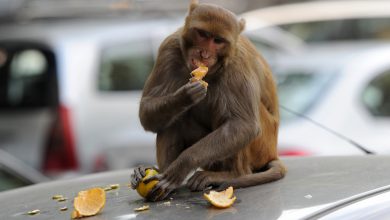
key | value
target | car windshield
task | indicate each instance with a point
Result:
(299, 90)
(346, 29)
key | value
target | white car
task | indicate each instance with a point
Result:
(326, 20)
(332, 94)
(70, 89)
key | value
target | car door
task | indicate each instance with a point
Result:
(111, 120)
(28, 95)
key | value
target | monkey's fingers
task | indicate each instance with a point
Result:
(155, 177)
(222, 187)
(134, 181)
(156, 191)
(160, 191)
(194, 181)
(196, 87)
(139, 172)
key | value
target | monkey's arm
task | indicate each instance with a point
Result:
(158, 112)
(239, 127)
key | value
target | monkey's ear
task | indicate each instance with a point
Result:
(241, 24)
(193, 5)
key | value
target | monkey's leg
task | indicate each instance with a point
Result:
(236, 171)
(275, 170)
(169, 146)
(219, 172)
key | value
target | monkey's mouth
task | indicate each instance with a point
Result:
(196, 63)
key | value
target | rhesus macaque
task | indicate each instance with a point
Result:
(230, 128)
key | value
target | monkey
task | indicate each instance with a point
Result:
(228, 129)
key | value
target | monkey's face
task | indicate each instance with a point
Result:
(205, 48)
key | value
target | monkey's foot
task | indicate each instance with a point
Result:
(201, 180)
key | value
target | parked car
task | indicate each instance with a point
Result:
(353, 187)
(14, 173)
(326, 20)
(70, 89)
(342, 86)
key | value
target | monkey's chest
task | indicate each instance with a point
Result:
(204, 115)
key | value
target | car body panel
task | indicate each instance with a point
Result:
(311, 186)
(316, 11)
(339, 105)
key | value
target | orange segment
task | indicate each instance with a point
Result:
(142, 188)
(200, 72)
(223, 199)
(89, 202)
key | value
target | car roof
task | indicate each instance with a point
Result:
(87, 29)
(330, 55)
(312, 185)
(316, 11)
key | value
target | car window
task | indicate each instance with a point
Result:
(125, 67)
(348, 29)
(27, 77)
(298, 90)
(376, 96)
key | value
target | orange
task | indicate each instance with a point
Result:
(89, 202)
(223, 199)
(142, 188)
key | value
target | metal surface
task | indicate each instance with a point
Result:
(312, 185)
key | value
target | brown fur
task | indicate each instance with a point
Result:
(231, 130)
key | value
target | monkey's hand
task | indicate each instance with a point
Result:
(138, 174)
(193, 91)
(169, 180)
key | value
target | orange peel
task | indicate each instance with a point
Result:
(223, 199)
(89, 202)
(144, 189)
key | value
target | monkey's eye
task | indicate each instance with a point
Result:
(219, 40)
(203, 34)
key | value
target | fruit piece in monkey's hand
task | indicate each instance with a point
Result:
(199, 73)
(144, 189)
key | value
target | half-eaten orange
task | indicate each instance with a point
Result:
(223, 199)
(89, 202)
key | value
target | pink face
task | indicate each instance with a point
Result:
(206, 49)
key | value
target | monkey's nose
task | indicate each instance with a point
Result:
(205, 54)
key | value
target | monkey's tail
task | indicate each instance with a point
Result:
(276, 170)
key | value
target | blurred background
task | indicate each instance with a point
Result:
(72, 73)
